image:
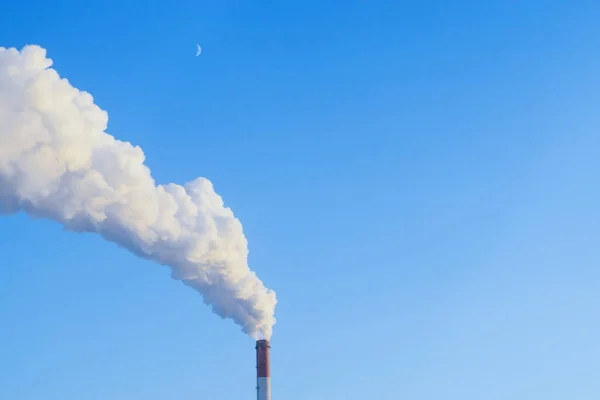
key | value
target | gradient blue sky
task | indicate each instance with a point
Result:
(418, 181)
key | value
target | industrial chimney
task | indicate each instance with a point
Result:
(263, 370)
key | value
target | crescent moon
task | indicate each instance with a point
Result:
(199, 50)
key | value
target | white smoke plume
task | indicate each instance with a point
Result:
(57, 162)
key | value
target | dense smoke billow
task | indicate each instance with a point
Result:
(57, 162)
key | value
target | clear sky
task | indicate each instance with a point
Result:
(418, 181)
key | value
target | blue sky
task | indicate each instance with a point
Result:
(418, 181)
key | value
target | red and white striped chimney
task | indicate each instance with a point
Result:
(263, 370)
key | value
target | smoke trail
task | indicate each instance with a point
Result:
(56, 161)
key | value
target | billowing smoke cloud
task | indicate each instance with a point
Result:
(57, 162)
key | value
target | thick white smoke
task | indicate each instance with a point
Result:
(57, 161)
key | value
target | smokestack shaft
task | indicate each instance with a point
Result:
(263, 370)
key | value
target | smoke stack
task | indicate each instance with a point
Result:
(263, 370)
